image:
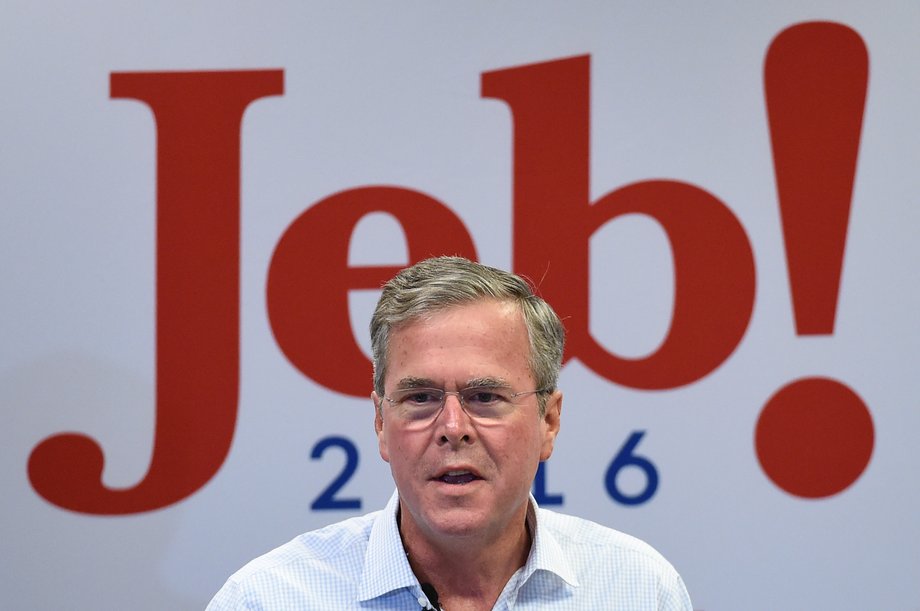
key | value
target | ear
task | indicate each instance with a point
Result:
(551, 422)
(378, 427)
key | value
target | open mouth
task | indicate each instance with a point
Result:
(458, 477)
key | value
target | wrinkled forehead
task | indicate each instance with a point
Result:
(491, 330)
(437, 314)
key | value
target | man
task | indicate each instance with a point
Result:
(466, 360)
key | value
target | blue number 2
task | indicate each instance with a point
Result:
(326, 499)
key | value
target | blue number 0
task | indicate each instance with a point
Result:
(626, 458)
(326, 499)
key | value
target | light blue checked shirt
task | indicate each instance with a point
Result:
(360, 563)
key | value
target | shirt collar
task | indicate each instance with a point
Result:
(386, 567)
(546, 554)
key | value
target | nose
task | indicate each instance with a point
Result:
(454, 425)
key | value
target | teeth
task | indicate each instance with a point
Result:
(457, 472)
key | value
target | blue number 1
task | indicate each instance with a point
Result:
(539, 488)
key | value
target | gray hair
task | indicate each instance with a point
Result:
(444, 282)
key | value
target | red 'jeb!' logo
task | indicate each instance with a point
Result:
(198, 117)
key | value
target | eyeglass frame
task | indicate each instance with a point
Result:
(464, 405)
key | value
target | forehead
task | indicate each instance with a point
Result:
(486, 338)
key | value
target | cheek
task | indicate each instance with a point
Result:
(404, 451)
(518, 450)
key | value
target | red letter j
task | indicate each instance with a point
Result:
(198, 117)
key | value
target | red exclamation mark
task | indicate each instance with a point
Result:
(815, 435)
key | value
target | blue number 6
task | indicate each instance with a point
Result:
(626, 458)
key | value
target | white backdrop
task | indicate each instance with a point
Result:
(391, 94)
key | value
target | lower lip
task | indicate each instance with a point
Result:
(446, 486)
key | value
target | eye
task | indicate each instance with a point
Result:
(484, 396)
(420, 396)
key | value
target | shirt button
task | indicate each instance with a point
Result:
(423, 602)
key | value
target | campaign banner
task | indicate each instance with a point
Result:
(200, 201)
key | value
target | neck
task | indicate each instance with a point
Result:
(468, 573)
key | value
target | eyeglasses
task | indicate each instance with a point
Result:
(420, 406)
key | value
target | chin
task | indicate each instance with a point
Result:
(457, 522)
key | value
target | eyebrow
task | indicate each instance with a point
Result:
(485, 382)
(413, 382)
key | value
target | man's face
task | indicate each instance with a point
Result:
(458, 477)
